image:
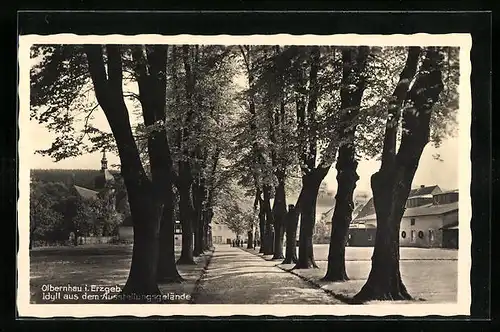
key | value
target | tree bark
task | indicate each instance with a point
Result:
(150, 68)
(292, 221)
(307, 208)
(279, 211)
(250, 240)
(391, 185)
(268, 235)
(209, 215)
(198, 198)
(142, 278)
(262, 226)
(342, 214)
(354, 61)
(186, 216)
(167, 269)
(144, 205)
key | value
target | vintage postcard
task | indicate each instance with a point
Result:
(244, 175)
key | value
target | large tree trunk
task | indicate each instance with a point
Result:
(342, 214)
(279, 211)
(292, 221)
(354, 60)
(391, 185)
(145, 203)
(390, 192)
(307, 208)
(142, 279)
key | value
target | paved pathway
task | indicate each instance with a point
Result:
(235, 276)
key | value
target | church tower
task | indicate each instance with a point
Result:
(105, 178)
(104, 161)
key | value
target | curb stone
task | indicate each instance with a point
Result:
(204, 270)
(343, 298)
(310, 281)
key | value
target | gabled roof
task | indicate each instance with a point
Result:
(369, 209)
(357, 210)
(86, 193)
(329, 214)
(366, 210)
(424, 191)
(104, 178)
(447, 192)
(425, 210)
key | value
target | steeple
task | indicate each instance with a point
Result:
(104, 161)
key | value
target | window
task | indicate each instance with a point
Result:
(420, 235)
(412, 236)
(431, 235)
(403, 234)
(412, 221)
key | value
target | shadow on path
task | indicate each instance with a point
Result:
(236, 276)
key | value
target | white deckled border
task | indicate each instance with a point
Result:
(462, 307)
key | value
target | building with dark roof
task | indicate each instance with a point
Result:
(104, 184)
(418, 196)
(433, 224)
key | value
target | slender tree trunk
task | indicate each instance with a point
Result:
(268, 235)
(198, 224)
(307, 206)
(250, 240)
(186, 216)
(292, 221)
(207, 222)
(279, 211)
(75, 240)
(167, 269)
(262, 226)
(391, 185)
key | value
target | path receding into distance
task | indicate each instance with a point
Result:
(235, 276)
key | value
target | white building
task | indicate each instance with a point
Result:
(221, 234)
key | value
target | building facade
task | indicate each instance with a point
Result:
(221, 234)
(430, 220)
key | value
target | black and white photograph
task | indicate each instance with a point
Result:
(266, 174)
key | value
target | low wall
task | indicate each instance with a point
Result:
(95, 239)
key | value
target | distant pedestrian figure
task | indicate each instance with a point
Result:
(254, 243)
